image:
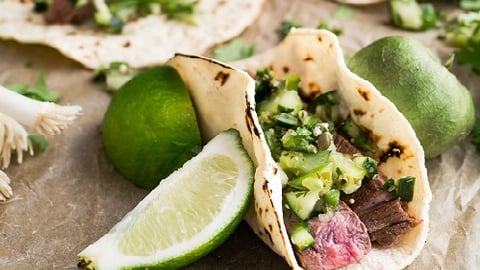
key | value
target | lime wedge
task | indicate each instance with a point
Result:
(187, 215)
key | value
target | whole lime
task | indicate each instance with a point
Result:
(439, 108)
(150, 128)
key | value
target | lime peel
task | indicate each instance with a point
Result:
(215, 184)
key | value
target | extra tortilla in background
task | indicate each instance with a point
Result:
(68, 196)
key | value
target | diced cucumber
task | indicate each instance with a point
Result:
(301, 237)
(319, 179)
(281, 101)
(406, 14)
(410, 15)
(301, 203)
(298, 163)
(349, 175)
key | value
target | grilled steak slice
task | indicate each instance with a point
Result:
(343, 145)
(370, 194)
(384, 216)
(340, 239)
(390, 235)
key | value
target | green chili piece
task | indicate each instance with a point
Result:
(332, 197)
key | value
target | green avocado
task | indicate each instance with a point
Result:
(439, 108)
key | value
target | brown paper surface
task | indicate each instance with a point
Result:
(69, 196)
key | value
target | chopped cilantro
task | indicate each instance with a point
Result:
(343, 12)
(234, 50)
(39, 91)
(463, 32)
(325, 25)
(470, 55)
(286, 26)
(39, 143)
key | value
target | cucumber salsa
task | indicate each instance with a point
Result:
(304, 137)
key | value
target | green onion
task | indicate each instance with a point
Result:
(46, 117)
(370, 165)
(406, 187)
(389, 186)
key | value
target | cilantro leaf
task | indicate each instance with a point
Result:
(39, 91)
(343, 12)
(469, 55)
(286, 26)
(38, 142)
(234, 50)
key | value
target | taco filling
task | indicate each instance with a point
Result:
(336, 204)
(111, 15)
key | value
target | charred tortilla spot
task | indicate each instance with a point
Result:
(222, 77)
(308, 58)
(395, 149)
(330, 46)
(265, 187)
(375, 138)
(359, 112)
(249, 111)
(268, 235)
(313, 90)
(285, 69)
(126, 44)
(364, 93)
(319, 38)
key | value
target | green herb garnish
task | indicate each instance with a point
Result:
(234, 50)
(39, 91)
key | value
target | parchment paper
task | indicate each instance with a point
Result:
(69, 196)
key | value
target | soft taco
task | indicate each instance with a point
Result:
(144, 41)
(226, 98)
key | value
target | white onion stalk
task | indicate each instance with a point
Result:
(5, 189)
(13, 138)
(47, 118)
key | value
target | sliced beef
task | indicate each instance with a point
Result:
(390, 235)
(341, 239)
(384, 216)
(344, 146)
(369, 194)
(63, 12)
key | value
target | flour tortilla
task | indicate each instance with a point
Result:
(223, 97)
(146, 42)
